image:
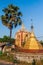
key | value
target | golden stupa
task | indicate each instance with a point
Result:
(32, 44)
(20, 36)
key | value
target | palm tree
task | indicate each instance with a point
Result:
(11, 17)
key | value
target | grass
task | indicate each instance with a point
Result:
(6, 58)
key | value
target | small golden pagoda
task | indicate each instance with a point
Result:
(20, 36)
(32, 42)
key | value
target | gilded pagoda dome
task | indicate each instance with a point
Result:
(32, 43)
(20, 36)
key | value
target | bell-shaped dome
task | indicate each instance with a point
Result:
(32, 43)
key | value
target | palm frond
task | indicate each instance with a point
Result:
(3, 17)
(19, 14)
(12, 16)
(5, 23)
(5, 10)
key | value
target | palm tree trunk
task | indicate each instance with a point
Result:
(10, 34)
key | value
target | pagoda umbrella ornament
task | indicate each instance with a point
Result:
(32, 27)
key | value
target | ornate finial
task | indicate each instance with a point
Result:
(23, 26)
(32, 25)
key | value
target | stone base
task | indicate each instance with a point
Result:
(28, 57)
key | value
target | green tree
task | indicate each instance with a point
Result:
(6, 39)
(1, 39)
(11, 17)
(41, 42)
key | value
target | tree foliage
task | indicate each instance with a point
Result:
(11, 17)
(41, 42)
(6, 39)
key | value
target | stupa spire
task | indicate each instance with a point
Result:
(23, 27)
(32, 27)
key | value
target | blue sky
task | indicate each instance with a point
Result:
(30, 9)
